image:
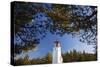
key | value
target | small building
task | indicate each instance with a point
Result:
(56, 55)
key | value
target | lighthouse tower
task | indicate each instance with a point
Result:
(56, 56)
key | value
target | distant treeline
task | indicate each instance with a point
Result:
(72, 56)
(78, 56)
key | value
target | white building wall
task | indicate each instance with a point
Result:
(57, 58)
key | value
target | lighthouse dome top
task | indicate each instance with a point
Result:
(57, 43)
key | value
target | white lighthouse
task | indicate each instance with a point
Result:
(56, 56)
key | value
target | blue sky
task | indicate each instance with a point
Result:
(67, 43)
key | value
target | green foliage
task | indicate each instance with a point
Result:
(48, 58)
(22, 13)
(22, 61)
(26, 61)
(72, 56)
